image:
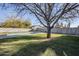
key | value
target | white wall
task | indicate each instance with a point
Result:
(13, 29)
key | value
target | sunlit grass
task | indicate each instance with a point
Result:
(5, 33)
(49, 52)
(44, 35)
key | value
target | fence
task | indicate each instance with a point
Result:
(62, 30)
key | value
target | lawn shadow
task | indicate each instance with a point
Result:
(28, 37)
(63, 46)
(38, 49)
(67, 45)
(35, 49)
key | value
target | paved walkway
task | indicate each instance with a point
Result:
(13, 35)
(16, 34)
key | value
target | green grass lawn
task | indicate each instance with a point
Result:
(36, 45)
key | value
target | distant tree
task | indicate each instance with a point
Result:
(65, 26)
(68, 25)
(78, 26)
(49, 14)
(16, 23)
(60, 25)
(57, 25)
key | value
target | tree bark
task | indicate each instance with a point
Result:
(48, 32)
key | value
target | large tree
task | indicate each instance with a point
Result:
(49, 14)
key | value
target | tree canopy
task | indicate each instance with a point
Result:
(16, 23)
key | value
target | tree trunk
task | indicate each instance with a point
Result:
(48, 32)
